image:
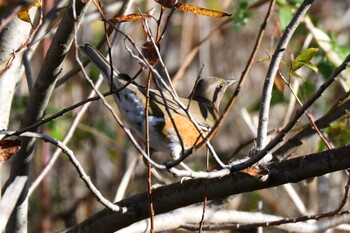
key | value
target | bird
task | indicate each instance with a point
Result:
(170, 128)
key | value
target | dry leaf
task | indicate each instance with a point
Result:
(167, 3)
(150, 52)
(130, 17)
(23, 14)
(279, 83)
(133, 17)
(255, 171)
(8, 148)
(200, 11)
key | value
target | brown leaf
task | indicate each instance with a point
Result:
(23, 14)
(279, 83)
(167, 3)
(150, 52)
(131, 17)
(8, 148)
(200, 11)
(255, 171)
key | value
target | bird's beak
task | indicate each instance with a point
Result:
(231, 82)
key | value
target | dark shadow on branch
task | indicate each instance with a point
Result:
(189, 192)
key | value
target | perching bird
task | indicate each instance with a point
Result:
(131, 101)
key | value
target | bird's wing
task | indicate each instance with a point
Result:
(199, 111)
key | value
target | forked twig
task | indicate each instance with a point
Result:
(245, 71)
(239, 165)
(76, 164)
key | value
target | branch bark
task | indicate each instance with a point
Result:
(189, 192)
(42, 90)
(334, 114)
(217, 219)
(272, 71)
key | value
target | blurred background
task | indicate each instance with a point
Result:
(62, 200)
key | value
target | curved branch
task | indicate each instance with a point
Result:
(76, 164)
(239, 165)
(191, 191)
(334, 114)
(39, 98)
(272, 71)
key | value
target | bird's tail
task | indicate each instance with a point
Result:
(98, 59)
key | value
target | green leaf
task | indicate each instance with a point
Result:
(292, 73)
(277, 96)
(311, 66)
(304, 59)
(341, 50)
(307, 89)
(281, 2)
(285, 16)
(263, 59)
(339, 134)
(241, 15)
(296, 1)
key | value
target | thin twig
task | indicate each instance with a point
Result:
(245, 71)
(28, 71)
(76, 164)
(76, 69)
(272, 71)
(126, 179)
(60, 113)
(312, 121)
(25, 45)
(338, 111)
(307, 113)
(67, 138)
(238, 165)
(148, 151)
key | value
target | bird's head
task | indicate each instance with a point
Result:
(212, 89)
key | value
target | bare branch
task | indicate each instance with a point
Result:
(9, 200)
(41, 93)
(192, 191)
(76, 164)
(239, 165)
(272, 71)
(218, 219)
(67, 138)
(340, 110)
(245, 71)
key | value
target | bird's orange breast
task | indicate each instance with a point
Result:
(189, 134)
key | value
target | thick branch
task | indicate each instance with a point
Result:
(272, 71)
(239, 165)
(39, 99)
(188, 192)
(334, 114)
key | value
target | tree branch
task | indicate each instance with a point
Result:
(42, 90)
(239, 165)
(340, 110)
(191, 191)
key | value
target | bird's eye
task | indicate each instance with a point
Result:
(221, 86)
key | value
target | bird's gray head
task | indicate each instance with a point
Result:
(212, 89)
